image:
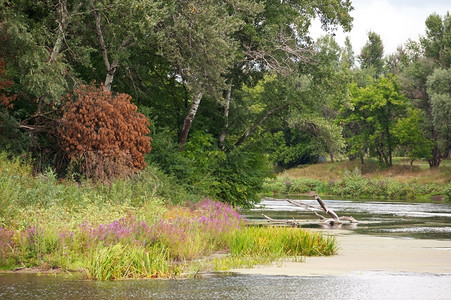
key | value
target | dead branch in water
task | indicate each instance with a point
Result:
(333, 221)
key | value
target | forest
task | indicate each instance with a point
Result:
(213, 94)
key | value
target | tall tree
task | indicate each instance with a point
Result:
(199, 43)
(371, 56)
(122, 24)
(437, 41)
(374, 110)
(439, 89)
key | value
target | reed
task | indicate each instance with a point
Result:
(123, 261)
(279, 242)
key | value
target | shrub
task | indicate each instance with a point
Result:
(5, 84)
(104, 133)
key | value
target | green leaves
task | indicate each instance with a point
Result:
(371, 115)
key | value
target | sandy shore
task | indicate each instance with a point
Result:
(363, 253)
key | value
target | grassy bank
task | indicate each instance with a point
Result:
(131, 229)
(352, 179)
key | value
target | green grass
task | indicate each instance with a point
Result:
(352, 179)
(130, 229)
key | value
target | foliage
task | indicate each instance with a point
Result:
(5, 84)
(374, 110)
(408, 132)
(122, 230)
(239, 177)
(234, 177)
(437, 41)
(104, 132)
(372, 53)
(286, 185)
(439, 90)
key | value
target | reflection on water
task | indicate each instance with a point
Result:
(387, 218)
(355, 286)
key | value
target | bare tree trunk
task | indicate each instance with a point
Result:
(110, 67)
(361, 158)
(62, 25)
(226, 117)
(189, 118)
(335, 220)
(255, 126)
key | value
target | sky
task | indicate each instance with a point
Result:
(395, 21)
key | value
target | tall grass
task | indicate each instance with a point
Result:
(127, 229)
(119, 261)
(280, 242)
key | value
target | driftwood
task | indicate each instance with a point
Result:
(333, 221)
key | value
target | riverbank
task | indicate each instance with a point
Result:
(363, 253)
(368, 180)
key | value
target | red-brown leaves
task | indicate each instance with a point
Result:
(5, 98)
(104, 129)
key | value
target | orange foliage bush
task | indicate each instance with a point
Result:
(5, 98)
(105, 132)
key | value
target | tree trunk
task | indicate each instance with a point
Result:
(331, 157)
(189, 118)
(435, 161)
(110, 68)
(63, 22)
(223, 133)
(255, 126)
(361, 158)
(411, 164)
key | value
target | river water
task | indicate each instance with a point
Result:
(394, 219)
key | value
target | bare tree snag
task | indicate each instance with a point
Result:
(333, 221)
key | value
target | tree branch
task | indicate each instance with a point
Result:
(255, 126)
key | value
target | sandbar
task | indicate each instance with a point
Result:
(366, 253)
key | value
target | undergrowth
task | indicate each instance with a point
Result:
(130, 228)
(369, 182)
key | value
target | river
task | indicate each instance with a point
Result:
(399, 250)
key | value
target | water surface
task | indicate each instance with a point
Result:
(355, 286)
(385, 218)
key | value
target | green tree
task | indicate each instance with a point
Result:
(437, 41)
(371, 56)
(410, 135)
(374, 110)
(439, 89)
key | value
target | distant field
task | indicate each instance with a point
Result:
(401, 171)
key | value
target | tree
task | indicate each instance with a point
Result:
(417, 63)
(199, 43)
(437, 41)
(439, 89)
(122, 24)
(374, 110)
(410, 135)
(104, 133)
(371, 56)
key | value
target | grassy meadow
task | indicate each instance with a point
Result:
(131, 228)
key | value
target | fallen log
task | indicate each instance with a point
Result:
(333, 221)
